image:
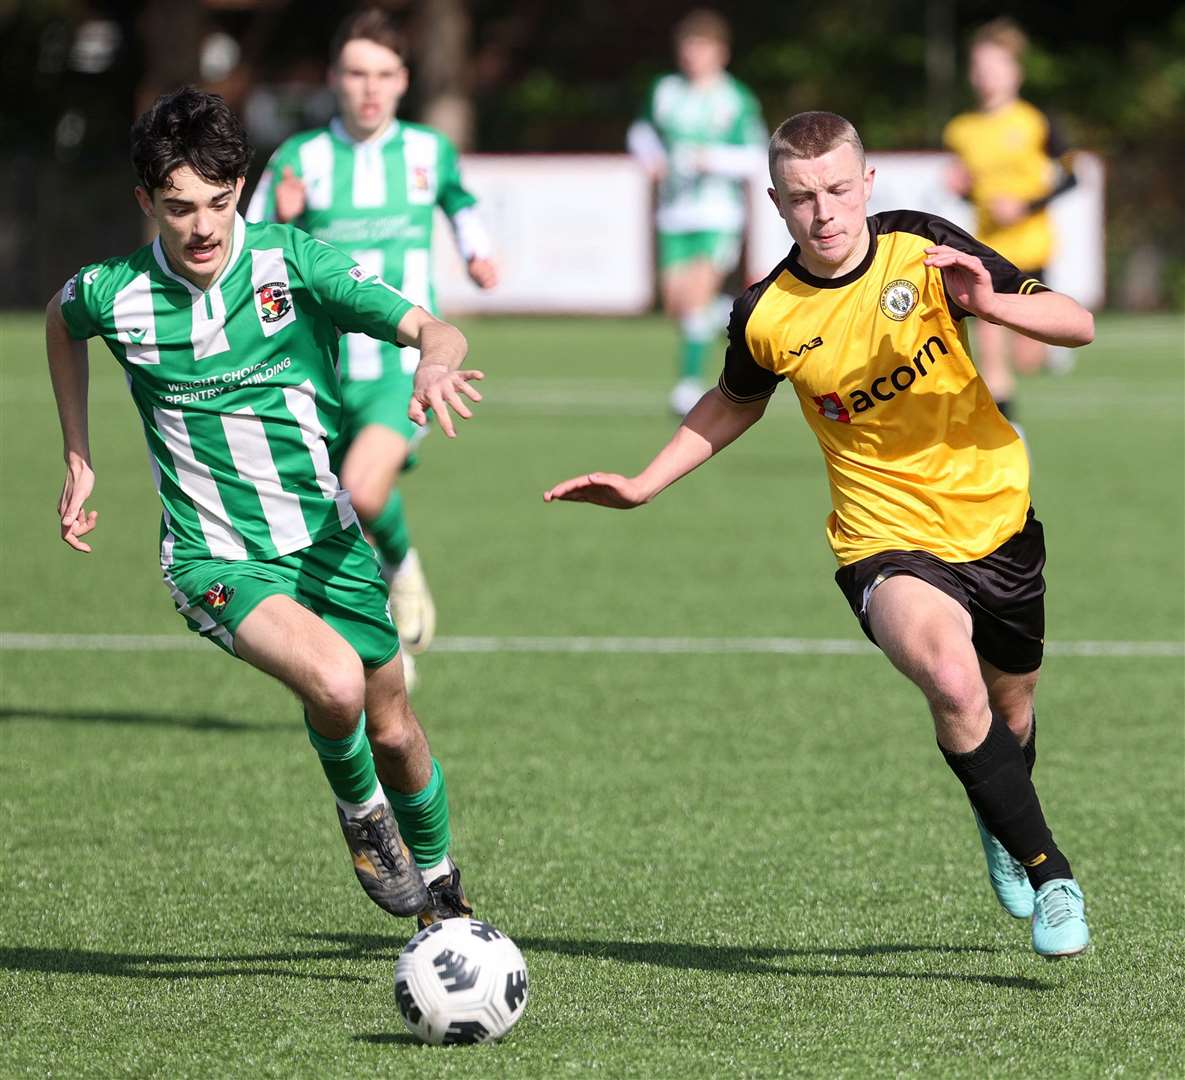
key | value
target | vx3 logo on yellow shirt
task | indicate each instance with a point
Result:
(833, 406)
(814, 343)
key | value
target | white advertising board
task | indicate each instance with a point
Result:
(914, 181)
(574, 233)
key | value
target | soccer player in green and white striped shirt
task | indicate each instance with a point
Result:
(370, 184)
(701, 137)
(228, 337)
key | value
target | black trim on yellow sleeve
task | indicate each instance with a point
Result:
(744, 379)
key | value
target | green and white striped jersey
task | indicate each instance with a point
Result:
(713, 139)
(377, 201)
(237, 385)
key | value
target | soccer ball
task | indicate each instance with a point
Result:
(460, 981)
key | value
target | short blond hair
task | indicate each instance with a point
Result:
(811, 135)
(703, 23)
(1003, 33)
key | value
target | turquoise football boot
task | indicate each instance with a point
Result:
(1009, 880)
(1059, 919)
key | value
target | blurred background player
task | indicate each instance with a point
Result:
(1012, 164)
(370, 184)
(700, 137)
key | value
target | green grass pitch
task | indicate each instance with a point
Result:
(715, 864)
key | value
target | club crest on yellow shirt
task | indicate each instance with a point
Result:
(899, 299)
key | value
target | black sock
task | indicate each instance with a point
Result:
(1001, 790)
(1005, 407)
(1030, 748)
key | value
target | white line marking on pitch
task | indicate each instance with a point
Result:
(788, 646)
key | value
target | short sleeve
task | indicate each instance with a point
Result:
(743, 379)
(749, 129)
(80, 305)
(1006, 278)
(451, 193)
(357, 301)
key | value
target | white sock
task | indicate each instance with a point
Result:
(431, 873)
(356, 810)
(410, 564)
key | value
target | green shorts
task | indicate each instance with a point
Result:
(336, 578)
(381, 401)
(721, 249)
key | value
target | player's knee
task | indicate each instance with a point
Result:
(955, 688)
(398, 737)
(368, 502)
(338, 691)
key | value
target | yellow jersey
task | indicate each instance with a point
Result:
(1013, 151)
(918, 456)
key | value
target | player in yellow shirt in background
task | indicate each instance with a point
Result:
(1012, 164)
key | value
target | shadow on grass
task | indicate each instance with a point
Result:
(730, 959)
(145, 719)
(384, 1038)
(166, 965)
(758, 960)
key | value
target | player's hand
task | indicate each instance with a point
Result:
(290, 196)
(1005, 210)
(966, 279)
(483, 272)
(437, 386)
(602, 489)
(75, 521)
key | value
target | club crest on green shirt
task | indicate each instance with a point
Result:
(274, 302)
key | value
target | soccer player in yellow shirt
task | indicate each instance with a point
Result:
(1012, 163)
(940, 555)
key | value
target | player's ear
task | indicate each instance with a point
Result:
(239, 188)
(144, 199)
(869, 176)
(773, 197)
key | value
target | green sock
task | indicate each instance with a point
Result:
(696, 333)
(390, 531)
(423, 818)
(348, 764)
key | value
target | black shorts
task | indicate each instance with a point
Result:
(1004, 593)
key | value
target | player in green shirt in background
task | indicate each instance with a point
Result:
(701, 138)
(228, 336)
(370, 184)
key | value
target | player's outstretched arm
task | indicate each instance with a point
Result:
(439, 380)
(706, 430)
(1047, 316)
(69, 372)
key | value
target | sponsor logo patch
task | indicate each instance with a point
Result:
(899, 299)
(274, 301)
(218, 596)
(419, 178)
(357, 273)
(70, 290)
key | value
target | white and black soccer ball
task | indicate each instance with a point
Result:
(460, 981)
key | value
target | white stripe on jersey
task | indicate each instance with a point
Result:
(269, 268)
(316, 170)
(195, 479)
(302, 403)
(135, 322)
(420, 150)
(199, 615)
(370, 176)
(208, 336)
(416, 286)
(364, 356)
(254, 463)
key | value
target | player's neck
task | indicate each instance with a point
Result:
(998, 104)
(199, 281)
(360, 136)
(706, 81)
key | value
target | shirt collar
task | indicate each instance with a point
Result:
(339, 131)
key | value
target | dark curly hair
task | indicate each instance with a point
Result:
(189, 127)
